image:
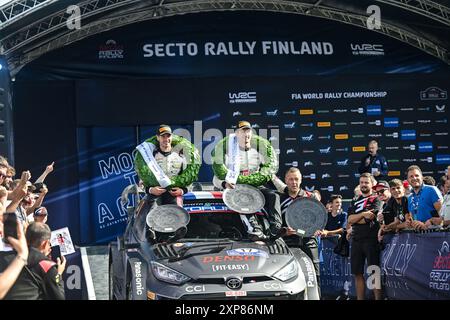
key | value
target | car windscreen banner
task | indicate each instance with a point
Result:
(413, 266)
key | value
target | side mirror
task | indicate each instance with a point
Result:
(122, 245)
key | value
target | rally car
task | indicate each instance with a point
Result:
(214, 259)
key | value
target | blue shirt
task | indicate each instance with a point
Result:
(334, 223)
(421, 204)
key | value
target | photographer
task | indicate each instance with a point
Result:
(41, 278)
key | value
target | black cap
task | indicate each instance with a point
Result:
(163, 129)
(244, 125)
(381, 185)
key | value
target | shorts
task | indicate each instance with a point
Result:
(362, 250)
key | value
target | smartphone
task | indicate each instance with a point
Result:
(55, 253)
(9, 226)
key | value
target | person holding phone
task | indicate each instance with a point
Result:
(10, 272)
(42, 278)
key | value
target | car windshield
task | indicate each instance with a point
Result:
(215, 225)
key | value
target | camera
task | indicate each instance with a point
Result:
(37, 187)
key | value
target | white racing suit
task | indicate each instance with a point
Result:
(250, 162)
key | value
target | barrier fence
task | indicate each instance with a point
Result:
(413, 266)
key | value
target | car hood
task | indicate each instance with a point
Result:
(212, 260)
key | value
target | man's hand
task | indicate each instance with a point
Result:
(229, 185)
(290, 231)
(176, 192)
(368, 215)
(376, 173)
(26, 176)
(349, 233)
(318, 233)
(61, 264)
(418, 225)
(157, 191)
(44, 190)
(380, 234)
(50, 167)
(380, 217)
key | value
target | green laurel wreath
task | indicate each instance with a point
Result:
(267, 169)
(184, 179)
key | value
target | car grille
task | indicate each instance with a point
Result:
(272, 295)
(164, 251)
(279, 247)
(222, 280)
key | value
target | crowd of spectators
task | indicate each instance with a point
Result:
(27, 271)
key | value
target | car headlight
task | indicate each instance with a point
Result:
(287, 272)
(163, 273)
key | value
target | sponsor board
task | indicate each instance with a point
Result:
(440, 271)
(272, 113)
(359, 110)
(392, 135)
(242, 97)
(373, 110)
(359, 149)
(341, 136)
(425, 147)
(342, 162)
(394, 173)
(230, 267)
(443, 159)
(213, 259)
(323, 124)
(367, 49)
(192, 289)
(433, 93)
(408, 135)
(111, 50)
(391, 122)
(290, 125)
(304, 112)
(440, 108)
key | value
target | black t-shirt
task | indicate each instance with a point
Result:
(394, 209)
(369, 230)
